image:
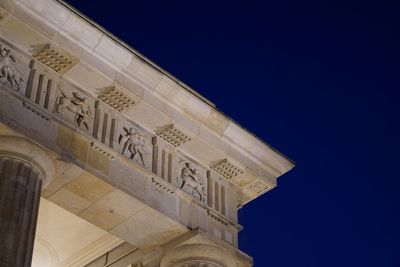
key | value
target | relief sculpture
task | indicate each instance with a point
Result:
(8, 73)
(189, 180)
(133, 142)
(77, 105)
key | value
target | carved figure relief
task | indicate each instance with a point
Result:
(133, 142)
(8, 73)
(189, 180)
(76, 105)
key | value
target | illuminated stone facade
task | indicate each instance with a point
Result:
(134, 168)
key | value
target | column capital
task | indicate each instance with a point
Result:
(31, 153)
(200, 254)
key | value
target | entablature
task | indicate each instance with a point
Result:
(129, 97)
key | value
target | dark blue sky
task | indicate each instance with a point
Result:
(318, 81)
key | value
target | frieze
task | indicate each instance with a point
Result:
(172, 135)
(135, 144)
(75, 106)
(55, 58)
(97, 147)
(191, 178)
(158, 152)
(226, 169)
(116, 98)
(35, 111)
(10, 75)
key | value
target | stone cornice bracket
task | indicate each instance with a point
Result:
(31, 153)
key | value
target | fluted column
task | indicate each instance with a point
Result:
(20, 187)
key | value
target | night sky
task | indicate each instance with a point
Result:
(319, 82)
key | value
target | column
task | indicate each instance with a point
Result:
(197, 263)
(20, 188)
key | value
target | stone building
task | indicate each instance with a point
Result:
(108, 160)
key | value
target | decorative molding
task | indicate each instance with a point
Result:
(172, 135)
(218, 218)
(9, 74)
(258, 187)
(116, 98)
(161, 185)
(226, 169)
(94, 146)
(55, 58)
(35, 111)
(103, 245)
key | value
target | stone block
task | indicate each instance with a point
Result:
(148, 228)
(64, 137)
(80, 147)
(112, 210)
(113, 52)
(89, 187)
(69, 201)
(98, 161)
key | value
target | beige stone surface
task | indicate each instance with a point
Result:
(65, 173)
(113, 52)
(63, 239)
(197, 108)
(83, 33)
(98, 161)
(217, 122)
(142, 69)
(80, 147)
(7, 4)
(148, 116)
(69, 201)
(87, 77)
(19, 33)
(89, 187)
(148, 228)
(64, 137)
(132, 84)
(112, 209)
(4, 16)
(50, 18)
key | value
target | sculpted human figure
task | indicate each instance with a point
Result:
(77, 105)
(8, 73)
(134, 142)
(191, 180)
